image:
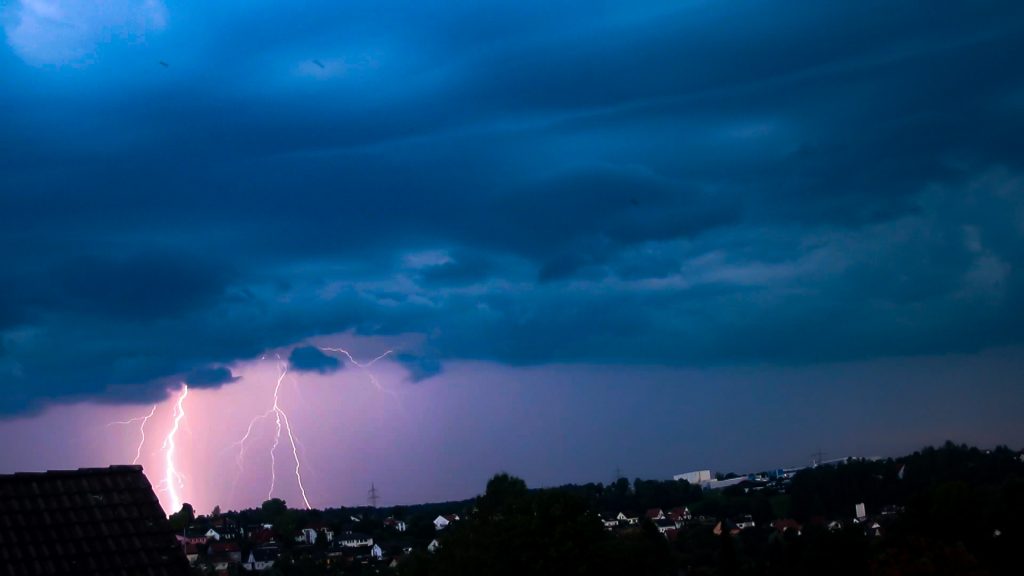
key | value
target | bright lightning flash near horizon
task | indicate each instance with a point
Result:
(173, 481)
(281, 422)
(172, 478)
(141, 420)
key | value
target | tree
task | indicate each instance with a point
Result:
(505, 496)
(273, 509)
(182, 518)
(514, 531)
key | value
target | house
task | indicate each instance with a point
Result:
(196, 536)
(354, 540)
(891, 510)
(787, 525)
(609, 521)
(261, 559)
(221, 563)
(213, 535)
(231, 550)
(261, 536)
(654, 514)
(100, 521)
(679, 514)
(191, 552)
(743, 522)
(664, 525)
(365, 553)
(394, 524)
(224, 524)
(860, 511)
(725, 526)
(630, 519)
(442, 522)
(326, 533)
(835, 526)
(434, 546)
(306, 536)
(227, 534)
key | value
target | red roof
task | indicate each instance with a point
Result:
(224, 547)
(654, 513)
(262, 536)
(784, 524)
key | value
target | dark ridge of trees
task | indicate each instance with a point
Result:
(950, 510)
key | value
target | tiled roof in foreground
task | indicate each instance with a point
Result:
(98, 521)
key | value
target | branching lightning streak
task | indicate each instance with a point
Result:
(280, 415)
(240, 459)
(281, 422)
(141, 420)
(356, 362)
(172, 478)
(366, 367)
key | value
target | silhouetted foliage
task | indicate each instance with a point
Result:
(947, 510)
(182, 518)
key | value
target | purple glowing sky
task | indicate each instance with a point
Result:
(442, 438)
(651, 236)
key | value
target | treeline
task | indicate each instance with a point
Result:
(951, 510)
(364, 519)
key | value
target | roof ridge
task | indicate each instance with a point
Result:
(114, 468)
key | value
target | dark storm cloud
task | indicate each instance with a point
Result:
(556, 182)
(420, 367)
(210, 377)
(310, 359)
(465, 267)
(139, 287)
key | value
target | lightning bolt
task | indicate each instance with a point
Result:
(172, 478)
(141, 420)
(281, 424)
(356, 362)
(240, 459)
(366, 367)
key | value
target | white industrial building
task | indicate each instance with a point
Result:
(695, 477)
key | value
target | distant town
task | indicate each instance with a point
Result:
(698, 522)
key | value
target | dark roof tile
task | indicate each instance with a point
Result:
(101, 521)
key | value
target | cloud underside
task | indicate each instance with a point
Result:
(310, 359)
(658, 185)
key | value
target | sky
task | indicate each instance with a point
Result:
(652, 237)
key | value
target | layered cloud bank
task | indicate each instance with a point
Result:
(184, 188)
